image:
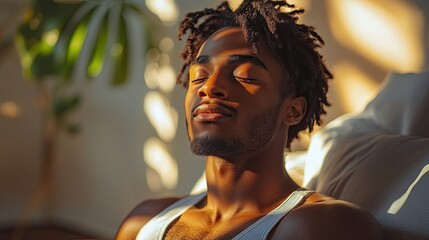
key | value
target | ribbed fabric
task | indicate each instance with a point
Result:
(261, 228)
(156, 227)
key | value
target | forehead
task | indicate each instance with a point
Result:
(224, 41)
(230, 41)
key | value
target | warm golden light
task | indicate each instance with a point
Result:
(51, 37)
(157, 157)
(163, 77)
(151, 75)
(10, 110)
(300, 4)
(234, 4)
(161, 114)
(166, 10)
(386, 32)
(152, 55)
(399, 203)
(355, 88)
(316, 155)
(167, 78)
(166, 45)
(154, 180)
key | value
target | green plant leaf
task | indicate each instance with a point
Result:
(98, 55)
(63, 105)
(37, 35)
(71, 40)
(119, 54)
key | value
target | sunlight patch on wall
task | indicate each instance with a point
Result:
(162, 116)
(162, 77)
(151, 75)
(166, 45)
(166, 10)
(165, 171)
(159, 73)
(10, 110)
(154, 180)
(166, 78)
(386, 32)
(300, 4)
(234, 4)
(356, 88)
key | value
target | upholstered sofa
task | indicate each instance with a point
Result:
(379, 158)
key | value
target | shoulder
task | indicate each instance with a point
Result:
(140, 215)
(322, 217)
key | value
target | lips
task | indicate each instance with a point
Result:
(211, 112)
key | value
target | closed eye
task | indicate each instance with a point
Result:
(246, 80)
(199, 80)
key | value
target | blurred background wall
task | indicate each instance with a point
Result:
(133, 145)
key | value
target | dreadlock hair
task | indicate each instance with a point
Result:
(295, 45)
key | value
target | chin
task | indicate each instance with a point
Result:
(216, 145)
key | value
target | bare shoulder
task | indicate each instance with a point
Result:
(322, 217)
(140, 215)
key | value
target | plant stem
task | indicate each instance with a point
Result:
(47, 158)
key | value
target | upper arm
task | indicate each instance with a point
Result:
(334, 221)
(139, 216)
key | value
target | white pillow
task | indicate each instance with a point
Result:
(379, 159)
(402, 105)
(375, 170)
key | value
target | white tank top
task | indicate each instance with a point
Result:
(156, 227)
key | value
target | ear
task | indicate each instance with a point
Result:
(295, 110)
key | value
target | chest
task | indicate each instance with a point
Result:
(198, 227)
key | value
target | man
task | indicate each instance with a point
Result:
(254, 79)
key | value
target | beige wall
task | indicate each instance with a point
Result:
(19, 141)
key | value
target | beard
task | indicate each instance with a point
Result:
(260, 130)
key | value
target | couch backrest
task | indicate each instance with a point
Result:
(379, 159)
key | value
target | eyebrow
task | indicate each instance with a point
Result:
(203, 59)
(246, 59)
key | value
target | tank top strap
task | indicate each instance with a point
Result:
(261, 228)
(155, 228)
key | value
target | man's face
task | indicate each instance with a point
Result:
(233, 98)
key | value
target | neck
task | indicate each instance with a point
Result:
(256, 183)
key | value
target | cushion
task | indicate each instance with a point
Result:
(402, 105)
(379, 158)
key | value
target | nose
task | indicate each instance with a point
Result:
(213, 87)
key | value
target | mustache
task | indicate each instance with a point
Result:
(219, 103)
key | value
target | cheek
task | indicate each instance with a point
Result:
(262, 101)
(261, 97)
(188, 109)
(252, 90)
(189, 103)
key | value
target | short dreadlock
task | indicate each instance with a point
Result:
(295, 45)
